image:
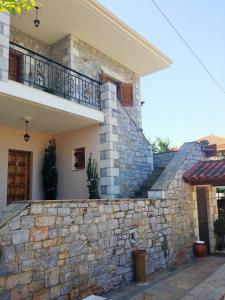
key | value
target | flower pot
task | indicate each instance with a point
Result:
(200, 248)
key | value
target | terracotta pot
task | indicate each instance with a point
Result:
(200, 249)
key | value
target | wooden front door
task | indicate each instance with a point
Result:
(202, 198)
(19, 166)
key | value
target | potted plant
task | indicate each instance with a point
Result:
(92, 177)
(49, 172)
(219, 229)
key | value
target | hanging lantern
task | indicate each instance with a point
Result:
(26, 135)
(36, 21)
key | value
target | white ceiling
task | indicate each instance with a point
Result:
(43, 119)
(91, 22)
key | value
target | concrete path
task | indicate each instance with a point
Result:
(200, 279)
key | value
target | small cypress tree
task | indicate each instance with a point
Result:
(92, 177)
(49, 172)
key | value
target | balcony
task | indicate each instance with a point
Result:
(37, 71)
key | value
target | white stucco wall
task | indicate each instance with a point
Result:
(73, 183)
(11, 138)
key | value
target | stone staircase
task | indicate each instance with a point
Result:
(146, 186)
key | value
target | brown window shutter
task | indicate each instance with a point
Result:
(126, 94)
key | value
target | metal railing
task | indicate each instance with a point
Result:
(33, 69)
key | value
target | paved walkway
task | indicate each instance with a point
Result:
(200, 279)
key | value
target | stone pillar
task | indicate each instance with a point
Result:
(212, 216)
(4, 45)
(109, 154)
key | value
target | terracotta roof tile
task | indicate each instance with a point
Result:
(206, 172)
(219, 141)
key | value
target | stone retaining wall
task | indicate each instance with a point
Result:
(54, 249)
(161, 160)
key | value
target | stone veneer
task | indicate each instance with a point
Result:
(135, 156)
(126, 155)
(109, 154)
(161, 160)
(53, 249)
(4, 45)
(172, 187)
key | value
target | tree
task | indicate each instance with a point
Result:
(16, 6)
(92, 178)
(49, 172)
(162, 145)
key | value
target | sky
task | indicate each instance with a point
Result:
(182, 103)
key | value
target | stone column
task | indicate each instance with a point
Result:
(4, 45)
(109, 154)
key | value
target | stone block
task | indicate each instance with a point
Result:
(52, 211)
(36, 286)
(48, 262)
(51, 277)
(27, 221)
(8, 269)
(45, 221)
(20, 236)
(64, 211)
(76, 249)
(36, 209)
(28, 265)
(62, 232)
(19, 292)
(9, 254)
(74, 229)
(54, 292)
(22, 278)
(39, 233)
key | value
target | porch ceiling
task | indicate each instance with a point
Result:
(94, 24)
(43, 119)
(210, 172)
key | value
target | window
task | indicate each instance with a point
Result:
(124, 90)
(79, 158)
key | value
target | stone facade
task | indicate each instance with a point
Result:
(4, 45)
(109, 154)
(182, 196)
(135, 156)
(126, 156)
(53, 249)
(27, 41)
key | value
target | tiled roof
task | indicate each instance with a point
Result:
(219, 141)
(206, 172)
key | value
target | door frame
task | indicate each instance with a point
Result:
(30, 171)
(205, 206)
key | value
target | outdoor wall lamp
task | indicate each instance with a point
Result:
(36, 21)
(26, 135)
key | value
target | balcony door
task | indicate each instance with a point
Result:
(19, 175)
(14, 65)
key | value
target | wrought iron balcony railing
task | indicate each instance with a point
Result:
(30, 68)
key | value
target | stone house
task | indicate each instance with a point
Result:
(75, 78)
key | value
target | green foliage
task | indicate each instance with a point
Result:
(92, 178)
(219, 227)
(49, 172)
(15, 7)
(162, 145)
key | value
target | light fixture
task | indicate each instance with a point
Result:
(36, 21)
(26, 135)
